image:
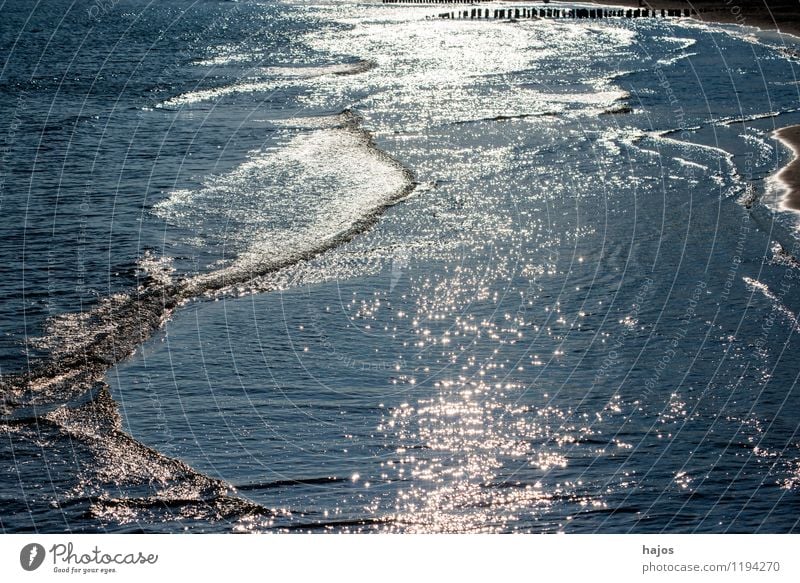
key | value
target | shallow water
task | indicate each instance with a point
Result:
(380, 272)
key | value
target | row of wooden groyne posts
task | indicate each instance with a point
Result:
(517, 13)
(567, 13)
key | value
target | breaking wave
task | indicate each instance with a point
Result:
(65, 399)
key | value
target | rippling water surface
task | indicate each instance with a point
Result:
(350, 267)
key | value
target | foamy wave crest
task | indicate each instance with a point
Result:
(321, 71)
(329, 198)
(731, 120)
(267, 79)
(216, 93)
(65, 401)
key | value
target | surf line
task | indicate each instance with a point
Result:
(68, 392)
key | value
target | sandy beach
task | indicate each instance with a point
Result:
(790, 174)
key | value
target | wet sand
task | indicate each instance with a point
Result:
(789, 175)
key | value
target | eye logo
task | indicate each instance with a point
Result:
(31, 556)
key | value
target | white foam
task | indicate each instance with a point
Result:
(320, 71)
(285, 203)
(217, 93)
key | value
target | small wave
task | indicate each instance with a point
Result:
(777, 304)
(612, 138)
(506, 117)
(576, 103)
(316, 122)
(665, 133)
(280, 223)
(724, 154)
(320, 71)
(780, 256)
(112, 463)
(154, 509)
(67, 396)
(605, 97)
(290, 483)
(225, 59)
(766, 212)
(277, 78)
(684, 42)
(352, 525)
(727, 121)
(618, 109)
(228, 54)
(676, 58)
(193, 97)
(691, 164)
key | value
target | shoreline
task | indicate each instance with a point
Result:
(782, 17)
(789, 175)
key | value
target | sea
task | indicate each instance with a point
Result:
(339, 266)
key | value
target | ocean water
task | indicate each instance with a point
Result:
(347, 267)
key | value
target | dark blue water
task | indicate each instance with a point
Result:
(341, 267)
